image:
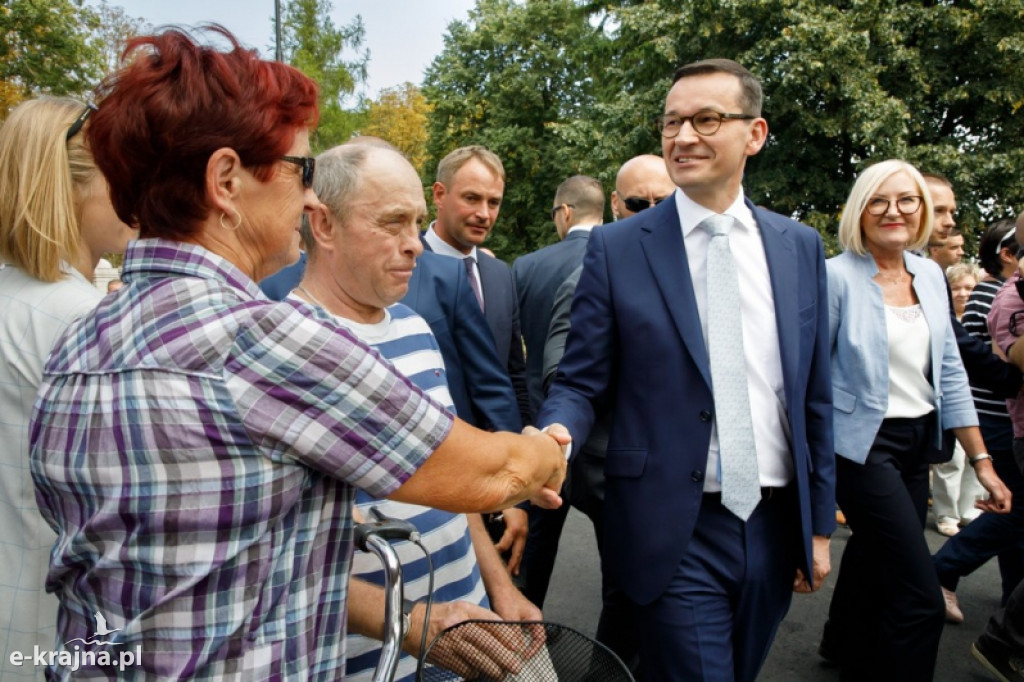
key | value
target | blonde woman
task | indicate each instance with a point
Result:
(962, 278)
(55, 222)
(897, 383)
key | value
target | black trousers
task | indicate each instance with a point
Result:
(887, 612)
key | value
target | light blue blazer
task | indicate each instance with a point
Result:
(860, 352)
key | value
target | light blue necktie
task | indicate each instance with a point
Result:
(741, 488)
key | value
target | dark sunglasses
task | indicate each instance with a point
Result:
(637, 204)
(80, 121)
(308, 165)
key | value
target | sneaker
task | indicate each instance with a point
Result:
(1005, 667)
(948, 528)
(953, 612)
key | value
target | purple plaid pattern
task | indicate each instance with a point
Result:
(196, 448)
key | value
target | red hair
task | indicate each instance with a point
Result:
(175, 102)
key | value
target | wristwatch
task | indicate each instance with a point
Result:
(978, 457)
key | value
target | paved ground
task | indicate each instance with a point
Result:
(574, 600)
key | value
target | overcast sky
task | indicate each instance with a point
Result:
(403, 36)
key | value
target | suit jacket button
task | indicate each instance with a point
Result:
(705, 416)
(697, 476)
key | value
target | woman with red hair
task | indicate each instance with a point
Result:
(195, 445)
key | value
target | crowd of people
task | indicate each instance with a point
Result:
(291, 346)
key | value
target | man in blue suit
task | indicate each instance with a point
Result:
(467, 195)
(481, 391)
(710, 583)
(578, 209)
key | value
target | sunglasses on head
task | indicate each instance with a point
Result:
(80, 121)
(308, 166)
(637, 204)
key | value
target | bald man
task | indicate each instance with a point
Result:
(641, 183)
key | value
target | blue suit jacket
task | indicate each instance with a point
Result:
(636, 344)
(481, 391)
(537, 277)
(860, 353)
(501, 309)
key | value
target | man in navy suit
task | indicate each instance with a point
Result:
(578, 208)
(481, 391)
(467, 195)
(710, 586)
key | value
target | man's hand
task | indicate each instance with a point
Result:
(513, 540)
(821, 564)
(474, 650)
(548, 497)
(510, 604)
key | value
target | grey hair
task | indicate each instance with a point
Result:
(335, 182)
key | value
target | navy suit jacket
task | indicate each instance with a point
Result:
(501, 309)
(636, 344)
(481, 391)
(537, 277)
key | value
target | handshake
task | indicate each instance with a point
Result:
(548, 494)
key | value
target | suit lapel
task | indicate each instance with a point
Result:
(666, 254)
(782, 270)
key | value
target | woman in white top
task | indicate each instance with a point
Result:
(56, 221)
(898, 383)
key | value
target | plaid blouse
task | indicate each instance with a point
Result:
(196, 448)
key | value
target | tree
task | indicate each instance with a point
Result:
(313, 44)
(399, 115)
(112, 33)
(508, 79)
(45, 48)
(847, 82)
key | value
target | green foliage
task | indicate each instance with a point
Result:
(847, 83)
(511, 79)
(313, 44)
(45, 48)
(112, 33)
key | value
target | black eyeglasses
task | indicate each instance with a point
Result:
(705, 122)
(558, 208)
(637, 204)
(904, 205)
(308, 166)
(80, 121)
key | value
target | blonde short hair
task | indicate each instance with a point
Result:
(851, 237)
(42, 174)
(955, 273)
(455, 160)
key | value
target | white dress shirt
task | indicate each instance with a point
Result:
(440, 246)
(760, 336)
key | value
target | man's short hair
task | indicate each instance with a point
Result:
(455, 160)
(751, 95)
(583, 193)
(937, 177)
(335, 183)
(997, 236)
